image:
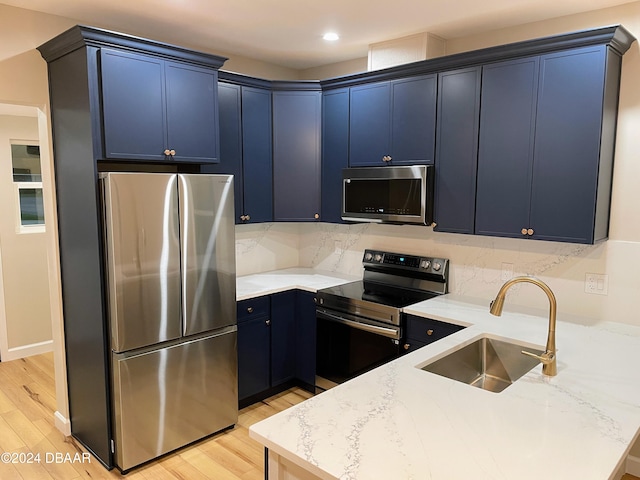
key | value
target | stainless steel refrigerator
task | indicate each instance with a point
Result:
(170, 250)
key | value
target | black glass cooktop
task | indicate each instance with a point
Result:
(377, 293)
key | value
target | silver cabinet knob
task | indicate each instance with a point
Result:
(523, 231)
(250, 309)
(530, 231)
(167, 152)
(267, 322)
(386, 158)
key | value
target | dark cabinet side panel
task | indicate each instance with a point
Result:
(296, 155)
(457, 150)
(133, 105)
(565, 171)
(335, 151)
(369, 124)
(192, 113)
(505, 151)
(86, 342)
(257, 162)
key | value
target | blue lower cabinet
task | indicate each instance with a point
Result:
(423, 331)
(276, 344)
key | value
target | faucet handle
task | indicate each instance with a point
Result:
(546, 358)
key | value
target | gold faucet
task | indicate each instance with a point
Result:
(548, 358)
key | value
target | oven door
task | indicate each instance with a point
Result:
(347, 345)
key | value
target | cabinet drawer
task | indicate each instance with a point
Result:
(253, 307)
(426, 330)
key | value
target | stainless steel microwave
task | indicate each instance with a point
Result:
(388, 194)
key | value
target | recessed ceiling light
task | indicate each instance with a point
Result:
(331, 36)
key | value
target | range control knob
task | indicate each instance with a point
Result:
(437, 266)
(425, 264)
(377, 257)
(368, 256)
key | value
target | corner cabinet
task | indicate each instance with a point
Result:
(157, 110)
(296, 152)
(393, 122)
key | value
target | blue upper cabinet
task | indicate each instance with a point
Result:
(257, 161)
(505, 156)
(369, 124)
(413, 120)
(335, 151)
(296, 155)
(157, 110)
(457, 150)
(245, 149)
(546, 146)
(393, 122)
(574, 144)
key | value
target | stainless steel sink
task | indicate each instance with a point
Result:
(487, 363)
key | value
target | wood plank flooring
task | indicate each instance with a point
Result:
(27, 404)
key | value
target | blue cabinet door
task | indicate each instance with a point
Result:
(335, 151)
(283, 337)
(256, 157)
(413, 120)
(192, 113)
(505, 151)
(254, 351)
(133, 105)
(567, 146)
(457, 150)
(151, 106)
(369, 124)
(306, 338)
(296, 155)
(229, 107)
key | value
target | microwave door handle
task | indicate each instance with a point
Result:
(387, 332)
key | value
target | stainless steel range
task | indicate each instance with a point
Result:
(360, 325)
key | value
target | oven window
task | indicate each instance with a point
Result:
(343, 352)
(401, 196)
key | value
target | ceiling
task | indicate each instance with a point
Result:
(289, 32)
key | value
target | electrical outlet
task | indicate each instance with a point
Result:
(507, 271)
(596, 283)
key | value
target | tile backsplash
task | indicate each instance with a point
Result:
(477, 262)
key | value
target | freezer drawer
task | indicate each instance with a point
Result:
(169, 397)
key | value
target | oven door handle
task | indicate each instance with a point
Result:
(387, 332)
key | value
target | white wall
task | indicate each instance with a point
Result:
(24, 255)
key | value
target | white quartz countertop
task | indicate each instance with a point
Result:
(309, 279)
(399, 422)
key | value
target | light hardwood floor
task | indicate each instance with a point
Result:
(27, 404)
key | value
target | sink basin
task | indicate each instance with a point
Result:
(486, 363)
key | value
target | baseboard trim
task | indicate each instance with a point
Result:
(62, 423)
(28, 350)
(633, 465)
